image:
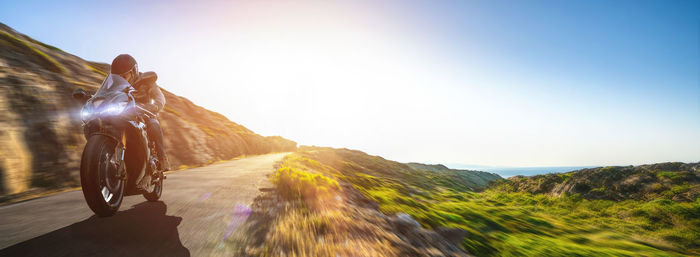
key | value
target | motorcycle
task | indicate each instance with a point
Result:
(119, 159)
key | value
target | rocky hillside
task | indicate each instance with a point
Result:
(675, 181)
(40, 128)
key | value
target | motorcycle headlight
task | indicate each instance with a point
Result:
(115, 108)
(84, 115)
(110, 110)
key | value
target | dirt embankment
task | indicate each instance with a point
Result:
(40, 127)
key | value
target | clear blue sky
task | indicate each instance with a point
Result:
(507, 83)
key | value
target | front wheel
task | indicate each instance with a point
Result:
(101, 175)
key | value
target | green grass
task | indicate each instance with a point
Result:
(44, 45)
(506, 223)
(96, 70)
(45, 60)
(671, 175)
(523, 224)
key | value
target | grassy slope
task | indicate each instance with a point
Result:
(501, 222)
(326, 214)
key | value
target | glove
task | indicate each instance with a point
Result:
(150, 107)
(138, 94)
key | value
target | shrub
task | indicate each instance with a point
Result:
(671, 175)
(298, 184)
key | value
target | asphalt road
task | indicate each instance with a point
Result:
(200, 208)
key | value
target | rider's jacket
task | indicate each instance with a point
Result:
(148, 93)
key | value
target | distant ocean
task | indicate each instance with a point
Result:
(513, 171)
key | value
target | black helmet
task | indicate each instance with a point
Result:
(124, 63)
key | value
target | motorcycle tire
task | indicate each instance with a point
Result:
(103, 190)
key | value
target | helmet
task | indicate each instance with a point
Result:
(124, 64)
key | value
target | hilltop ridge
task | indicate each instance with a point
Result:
(477, 180)
(672, 180)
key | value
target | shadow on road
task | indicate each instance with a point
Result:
(143, 230)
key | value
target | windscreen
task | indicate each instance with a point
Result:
(113, 83)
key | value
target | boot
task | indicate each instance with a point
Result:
(164, 163)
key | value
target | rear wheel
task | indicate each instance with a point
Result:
(101, 171)
(157, 188)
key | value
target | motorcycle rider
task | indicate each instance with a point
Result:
(147, 96)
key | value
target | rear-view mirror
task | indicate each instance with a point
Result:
(81, 95)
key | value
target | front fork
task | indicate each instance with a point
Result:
(119, 161)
